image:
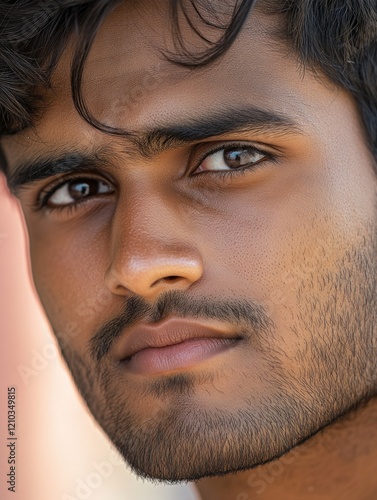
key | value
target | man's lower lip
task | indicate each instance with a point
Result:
(154, 360)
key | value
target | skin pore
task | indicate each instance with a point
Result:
(278, 253)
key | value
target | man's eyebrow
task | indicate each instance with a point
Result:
(160, 139)
(33, 171)
(223, 121)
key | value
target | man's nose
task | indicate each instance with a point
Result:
(151, 252)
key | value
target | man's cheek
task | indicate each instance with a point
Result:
(67, 278)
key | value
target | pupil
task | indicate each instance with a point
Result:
(237, 158)
(80, 189)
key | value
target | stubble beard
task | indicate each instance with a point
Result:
(185, 441)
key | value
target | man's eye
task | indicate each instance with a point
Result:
(76, 190)
(231, 158)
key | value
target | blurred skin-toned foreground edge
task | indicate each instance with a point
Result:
(204, 175)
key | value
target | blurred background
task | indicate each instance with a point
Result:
(61, 452)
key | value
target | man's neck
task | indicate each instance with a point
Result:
(339, 462)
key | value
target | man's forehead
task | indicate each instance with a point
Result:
(126, 73)
(149, 26)
(136, 43)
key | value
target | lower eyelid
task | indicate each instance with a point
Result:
(70, 208)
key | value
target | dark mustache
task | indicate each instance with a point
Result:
(179, 304)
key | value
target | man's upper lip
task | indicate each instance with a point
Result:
(168, 332)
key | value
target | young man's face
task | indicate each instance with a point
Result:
(255, 232)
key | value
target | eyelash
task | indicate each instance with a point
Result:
(224, 174)
(46, 193)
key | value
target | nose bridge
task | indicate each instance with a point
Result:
(150, 246)
(145, 223)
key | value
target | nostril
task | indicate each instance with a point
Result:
(170, 279)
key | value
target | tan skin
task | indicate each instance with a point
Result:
(280, 236)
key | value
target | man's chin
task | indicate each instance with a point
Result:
(175, 473)
(174, 456)
(196, 444)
